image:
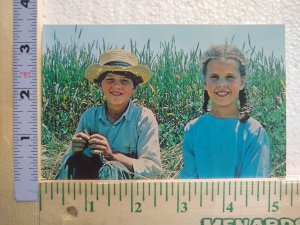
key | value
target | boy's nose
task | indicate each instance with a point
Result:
(117, 82)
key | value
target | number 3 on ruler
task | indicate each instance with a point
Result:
(24, 47)
(184, 207)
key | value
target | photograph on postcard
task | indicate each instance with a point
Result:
(163, 101)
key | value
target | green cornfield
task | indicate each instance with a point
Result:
(174, 94)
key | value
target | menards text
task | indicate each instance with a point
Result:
(248, 221)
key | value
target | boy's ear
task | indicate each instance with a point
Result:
(99, 86)
(134, 89)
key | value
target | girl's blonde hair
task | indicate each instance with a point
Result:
(226, 51)
(229, 52)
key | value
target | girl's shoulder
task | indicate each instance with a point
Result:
(254, 127)
(198, 121)
(252, 123)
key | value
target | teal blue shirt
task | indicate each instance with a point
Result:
(134, 134)
(225, 148)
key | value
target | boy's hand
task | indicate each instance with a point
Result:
(99, 146)
(79, 142)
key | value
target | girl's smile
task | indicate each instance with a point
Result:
(222, 93)
(223, 83)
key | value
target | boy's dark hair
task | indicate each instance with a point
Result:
(135, 79)
(230, 52)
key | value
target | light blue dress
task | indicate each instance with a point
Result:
(225, 148)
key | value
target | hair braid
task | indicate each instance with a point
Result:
(205, 102)
(245, 107)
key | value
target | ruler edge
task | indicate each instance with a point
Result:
(184, 192)
(39, 115)
(38, 68)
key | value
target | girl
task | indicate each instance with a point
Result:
(117, 140)
(225, 142)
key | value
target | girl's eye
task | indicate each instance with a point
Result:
(214, 76)
(230, 77)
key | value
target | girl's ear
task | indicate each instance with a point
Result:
(243, 83)
(204, 83)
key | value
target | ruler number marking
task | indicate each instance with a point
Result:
(91, 204)
(230, 207)
(138, 208)
(275, 206)
(25, 138)
(24, 93)
(183, 207)
(25, 48)
(24, 3)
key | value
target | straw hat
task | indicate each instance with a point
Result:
(118, 60)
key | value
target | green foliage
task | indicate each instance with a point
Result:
(174, 94)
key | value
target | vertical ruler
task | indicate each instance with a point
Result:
(25, 100)
(176, 202)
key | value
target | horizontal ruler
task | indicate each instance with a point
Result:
(170, 202)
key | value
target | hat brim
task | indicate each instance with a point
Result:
(94, 71)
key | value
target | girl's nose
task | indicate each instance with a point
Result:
(221, 82)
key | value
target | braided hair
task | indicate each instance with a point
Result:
(231, 52)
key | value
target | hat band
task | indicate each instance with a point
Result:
(117, 63)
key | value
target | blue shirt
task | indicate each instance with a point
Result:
(134, 134)
(225, 148)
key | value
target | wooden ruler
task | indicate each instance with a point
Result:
(174, 202)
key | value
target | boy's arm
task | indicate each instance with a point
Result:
(99, 145)
(148, 162)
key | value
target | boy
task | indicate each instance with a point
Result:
(118, 140)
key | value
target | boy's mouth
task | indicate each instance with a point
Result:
(222, 93)
(115, 93)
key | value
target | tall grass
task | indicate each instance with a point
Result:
(174, 94)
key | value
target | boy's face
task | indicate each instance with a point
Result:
(117, 89)
(223, 82)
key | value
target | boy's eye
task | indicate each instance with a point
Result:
(125, 81)
(110, 80)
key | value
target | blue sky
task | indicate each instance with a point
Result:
(269, 37)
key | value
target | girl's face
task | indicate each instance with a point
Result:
(223, 82)
(117, 89)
